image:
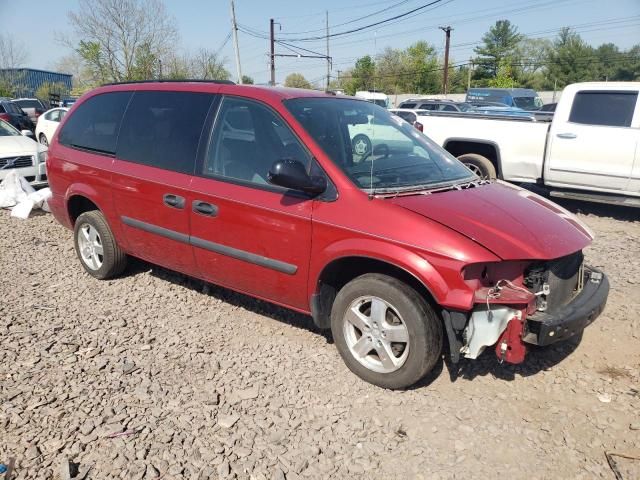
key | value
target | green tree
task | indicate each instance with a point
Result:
(247, 80)
(390, 71)
(362, 77)
(422, 70)
(570, 60)
(608, 57)
(296, 80)
(504, 77)
(46, 89)
(498, 44)
(629, 66)
(122, 40)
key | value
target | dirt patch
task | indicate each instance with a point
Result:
(159, 375)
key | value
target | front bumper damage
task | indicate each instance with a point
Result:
(543, 328)
(510, 327)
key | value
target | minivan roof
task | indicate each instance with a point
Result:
(255, 91)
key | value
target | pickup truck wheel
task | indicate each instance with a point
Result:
(479, 165)
(386, 333)
(361, 145)
(96, 247)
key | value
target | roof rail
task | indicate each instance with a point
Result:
(169, 80)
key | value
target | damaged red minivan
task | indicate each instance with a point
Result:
(327, 205)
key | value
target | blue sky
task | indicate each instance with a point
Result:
(206, 23)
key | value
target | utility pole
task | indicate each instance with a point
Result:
(447, 31)
(234, 30)
(272, 59)
(469, 73)
(328, 57)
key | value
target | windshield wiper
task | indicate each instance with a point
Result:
(427, 189)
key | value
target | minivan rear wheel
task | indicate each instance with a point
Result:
(96, 246)
(385, 331)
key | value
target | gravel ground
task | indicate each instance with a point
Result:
(201, 382)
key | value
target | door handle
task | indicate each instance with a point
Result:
(204, 208)
(566, 135)
(174, 201)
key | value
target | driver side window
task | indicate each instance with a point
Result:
(247, 139)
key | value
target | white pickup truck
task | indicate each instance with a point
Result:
(589, 150)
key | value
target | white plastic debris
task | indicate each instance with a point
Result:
(16, 192)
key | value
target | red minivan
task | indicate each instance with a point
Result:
(397, 247)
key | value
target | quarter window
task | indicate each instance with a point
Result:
(95, 123)
(162, 129)
(247, 139)
(613, 109)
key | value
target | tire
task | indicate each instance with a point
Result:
(361, 144)
(479, 165)
(104, 259)
(402, 305)
(43, 140)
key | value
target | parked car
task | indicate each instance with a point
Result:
(13, 114)
(586, 150)
(411, 116)
(48, 123)
(32, 107)
(378, 98)
(549, 107)
(524, 98)
(435, 105)
(395, 250)
(19, 152)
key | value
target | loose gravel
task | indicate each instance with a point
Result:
(157, 375)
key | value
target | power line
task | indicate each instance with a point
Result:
(381, 22)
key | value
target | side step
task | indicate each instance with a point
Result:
(598, 198)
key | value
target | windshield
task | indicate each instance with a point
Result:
(378, 151)
(528, 103)
(7, 130)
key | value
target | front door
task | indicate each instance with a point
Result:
(247, 234)
(155, 161)
(594, 143)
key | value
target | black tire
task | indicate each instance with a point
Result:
(423, 325)
(113, 259)
(43, 140)
(479, 165)
(360, 140)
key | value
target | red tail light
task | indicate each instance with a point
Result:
(5, 117)
(419, 126)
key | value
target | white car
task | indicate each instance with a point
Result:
(411, 116)
(21, 153)
(48, 123)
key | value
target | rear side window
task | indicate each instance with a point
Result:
(95, 123)
(162, 129)
(448, 108)
(613, 109)
(407, 105)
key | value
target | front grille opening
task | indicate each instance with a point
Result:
(562, 277)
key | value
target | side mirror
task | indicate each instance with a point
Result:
(289, 173)
(27, 133)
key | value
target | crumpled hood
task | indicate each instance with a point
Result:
(511, 222)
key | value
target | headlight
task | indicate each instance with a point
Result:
(42, 156)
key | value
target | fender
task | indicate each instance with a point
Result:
(102, 201)
(396, 255)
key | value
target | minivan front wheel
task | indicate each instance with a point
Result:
(96, 247)
(385, 331)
